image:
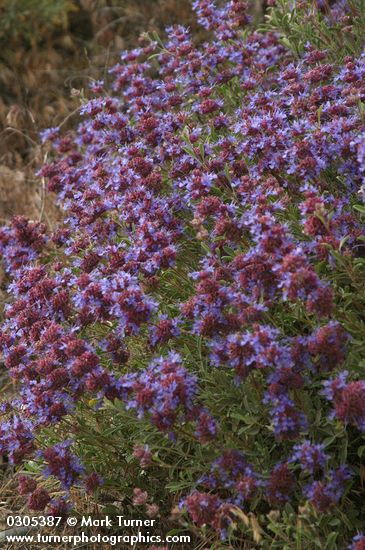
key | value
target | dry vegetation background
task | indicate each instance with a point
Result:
(48, 49)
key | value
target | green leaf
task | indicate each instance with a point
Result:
(331, 541)
(205, 247)
(360, 451)
(359, 208)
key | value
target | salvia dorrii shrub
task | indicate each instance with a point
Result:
(191, 339)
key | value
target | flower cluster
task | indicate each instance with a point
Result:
(62, 464)
(310, 456)
(164, 390)
(326, 494)
(348, 400)
(232, 471)
(21, 242)
(358, 543)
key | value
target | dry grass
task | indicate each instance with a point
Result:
(36, 83)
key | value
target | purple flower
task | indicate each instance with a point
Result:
(310, 456)
(358, 542)
(62, 464)
(164, 390)
(325, 494)
(288, 421)
(280, 484)
(348, 400)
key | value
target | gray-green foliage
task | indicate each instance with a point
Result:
(300, 23)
